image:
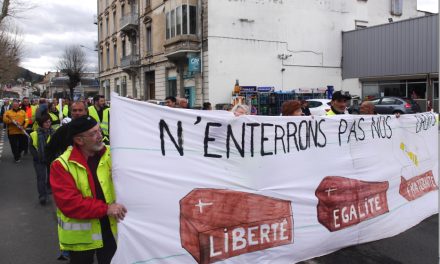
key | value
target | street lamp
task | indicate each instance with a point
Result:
(82, 46)
(95, 50)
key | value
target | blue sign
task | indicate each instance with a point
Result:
(248, 89)
(194, 64)
(265, 89)
(330, 90)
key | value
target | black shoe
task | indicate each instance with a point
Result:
(43, 201)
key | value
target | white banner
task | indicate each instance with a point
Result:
(205, 186)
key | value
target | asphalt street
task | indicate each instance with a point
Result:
(28, 230)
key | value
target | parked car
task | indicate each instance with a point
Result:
(388, 105)
(319, 107)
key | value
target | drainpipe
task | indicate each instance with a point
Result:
(202, 77)
(139, 50)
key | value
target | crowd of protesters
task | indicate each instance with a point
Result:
(71, 158)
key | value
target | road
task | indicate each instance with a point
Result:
(29, 229)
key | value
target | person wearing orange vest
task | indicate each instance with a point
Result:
(30, 114)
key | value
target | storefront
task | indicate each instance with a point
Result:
(423, 91)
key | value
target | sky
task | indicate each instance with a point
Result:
(53, 25)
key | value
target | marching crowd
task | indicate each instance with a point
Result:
(69, 144)
(71, 158)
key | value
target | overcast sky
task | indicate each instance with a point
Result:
(54, 24)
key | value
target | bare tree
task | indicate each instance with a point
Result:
(12, 8)
(11, 49)
(72, 63)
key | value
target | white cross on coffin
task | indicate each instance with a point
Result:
(330, 190)
(202, 204)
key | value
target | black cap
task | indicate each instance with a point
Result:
(339, 95)
(81, 124)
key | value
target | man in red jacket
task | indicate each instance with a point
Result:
(83, 191)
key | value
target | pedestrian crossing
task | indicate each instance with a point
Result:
(2, 141)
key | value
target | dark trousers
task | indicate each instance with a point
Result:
(41, 171)
(18, 142)
(26, 142)
(104, 254)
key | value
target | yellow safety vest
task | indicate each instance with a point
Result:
(330, 113)
(34, 137)
(65, 110)
(85, 234)
(53, 118)
(104, 123)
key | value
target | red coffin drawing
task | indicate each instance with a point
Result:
(417, 186)
(345, 202)
(220, 224)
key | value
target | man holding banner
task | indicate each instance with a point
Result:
(83, 191)
(338, 104)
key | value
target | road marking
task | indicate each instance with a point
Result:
(2, 136)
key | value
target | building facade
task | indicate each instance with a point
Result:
(395, 59)
(149, 49)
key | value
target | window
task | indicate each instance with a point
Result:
(107, 32)
(181, 21)
(117, 86)
(115, 55)
(178, 20)
(436, 90)
(149, 41)
(376, 101)
(173, 24)
(124, 86)
(147, 3)
(122, 10)
(313, 104)
(388, 101)
(100, 29)
(101, 61)
(359, 24)
(168, 26)
(114, 22)
(184, 19)
(124, 49)
(417, 90)
(171, 87)
(396, 7)
(108, 58)
(192, 20)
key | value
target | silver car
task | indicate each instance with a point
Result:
(393, 105)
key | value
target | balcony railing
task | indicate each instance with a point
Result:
(130, 61)
(129, 22)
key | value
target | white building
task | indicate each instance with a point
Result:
(288, 44)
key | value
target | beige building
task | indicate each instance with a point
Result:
(146, 48)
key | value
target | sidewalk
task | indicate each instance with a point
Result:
(29, 233)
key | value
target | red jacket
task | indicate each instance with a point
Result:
(67, 196)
